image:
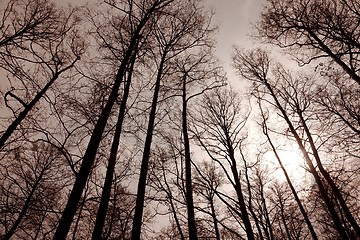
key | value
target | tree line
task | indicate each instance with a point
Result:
(118, 122)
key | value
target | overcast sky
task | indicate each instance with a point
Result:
(234, 18)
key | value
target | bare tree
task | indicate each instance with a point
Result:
(33, 179)
(101, 214)
(39, 42)
(192, 74)
(326, 29)
(219, 132)
(297, 199)
(255, 66)
(167, 179)
(89, 156)
(207, 183)
(287, 223)
(338, 103)
(176, 34)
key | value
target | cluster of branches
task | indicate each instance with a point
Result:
(117, 123)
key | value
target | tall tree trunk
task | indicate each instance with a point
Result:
(213, 216)
(172, 205)
(237, 186)
(90, 153)
(297, 199)
(328, 178)
(313, 171)
(140, 196)
(101, 214)
(77, 222)
(266, 211)
(253, 214)
(282, 213)
(188, 180)
(177, 222)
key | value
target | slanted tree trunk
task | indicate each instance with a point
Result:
(238, 189)
(255, 66)
(105, 196)
(328, 178)
(27, 107)
(94, 142)
(282, 213)
(253, 214)
(213, 216)
(140, 196)
(268, 225)
(221, 108)
(24, 209)
(172, 205)
(297, 199)
(313, 171)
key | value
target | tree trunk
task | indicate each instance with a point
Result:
(24, 209)
(213, 215)
(27, 107)
(172, 205)
(90, 153)
(237, 186)
(253, 214)
(140, 197)
(318, 181)
(297, 199)
(266, 212)
(283, 219)
(188, 180)
(328, 178)
(101, 214)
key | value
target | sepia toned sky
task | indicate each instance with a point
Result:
(232, 16)
(235, 19)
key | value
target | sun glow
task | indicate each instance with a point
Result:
(293, 162)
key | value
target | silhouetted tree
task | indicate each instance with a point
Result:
(255, 66)
(288, 180)
(146, 13)
(218, 131)
(315, 29)
(33, 178)
(38, 43)
(176, 34)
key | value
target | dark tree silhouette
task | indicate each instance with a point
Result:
(38, 34)
(33, 183)
(219, 129)
(255, 66)
(89, 156)
(288, 180)
(315, 29)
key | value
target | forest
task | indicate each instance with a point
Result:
(118, 121)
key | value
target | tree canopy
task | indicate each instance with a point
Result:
(118, 121)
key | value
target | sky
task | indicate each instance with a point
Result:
(235, 19)
(232, 16)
